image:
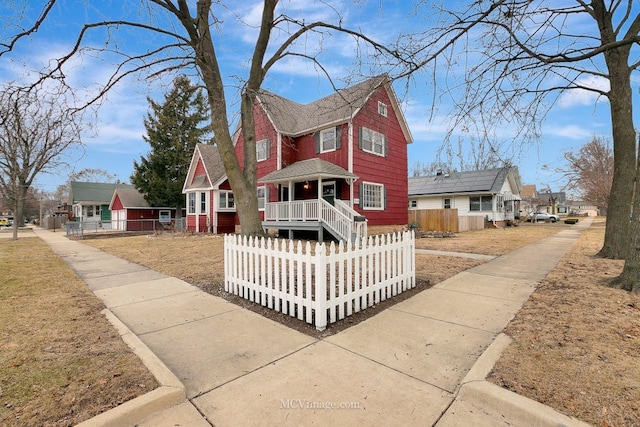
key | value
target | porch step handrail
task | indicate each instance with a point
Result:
(340, 224)
(359, 231)
(345, 209)
(340, 219)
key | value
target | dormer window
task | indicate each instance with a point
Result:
(382, 108)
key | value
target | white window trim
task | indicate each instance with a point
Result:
(481, 206)
(372, 134)
(382, 108)
(264, 188)
(335, 140)
(444, 205)
(265, 151)
(206, 202)
(164, 215)
(382, 196)
(227, 208)
(189, 207)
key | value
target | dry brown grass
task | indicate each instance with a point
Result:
(61, 361)
(577, 341)
(492, 241)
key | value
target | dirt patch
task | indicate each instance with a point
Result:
(61, 361)
(577, 342)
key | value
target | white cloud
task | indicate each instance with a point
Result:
(569, 131)
(583, 97)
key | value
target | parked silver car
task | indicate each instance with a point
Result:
(544, 216)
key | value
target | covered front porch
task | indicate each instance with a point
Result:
(313, 196)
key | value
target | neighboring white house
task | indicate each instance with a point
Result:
(90, 201)
(492, 193)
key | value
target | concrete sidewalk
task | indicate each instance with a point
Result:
(421, 362)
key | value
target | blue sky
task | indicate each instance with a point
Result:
(113, 139)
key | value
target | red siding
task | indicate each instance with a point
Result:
(226, 222)
(306, 149)
(191, 222)
(117, 204)
(264, 130)
(392, 170)
(142, 219)
(200, 170)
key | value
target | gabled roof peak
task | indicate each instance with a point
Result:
(294, 119)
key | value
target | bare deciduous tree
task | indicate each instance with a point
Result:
(185, 32)
(590, 172)
(37, 128)
(521, 55)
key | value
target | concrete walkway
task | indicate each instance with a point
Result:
(421, 362)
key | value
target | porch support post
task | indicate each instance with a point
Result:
(291, 197)
(321, 228)
(351, 182)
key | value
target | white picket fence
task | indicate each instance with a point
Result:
(319, 284)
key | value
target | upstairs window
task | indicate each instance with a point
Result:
(382, 108)
(328, 140)
(262, 150)
(372, 142)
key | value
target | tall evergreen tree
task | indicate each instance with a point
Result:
(173, 127)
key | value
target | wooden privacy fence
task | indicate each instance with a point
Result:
(445, 220)
(321, 284)
(435, 219)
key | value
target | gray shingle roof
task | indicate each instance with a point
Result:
(293, 119)
(131, 198)
(98, 193)
(484, 181)
(307, 169)
(212, 164)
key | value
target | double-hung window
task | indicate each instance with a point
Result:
(480, 203)
(226, 200)
(328, 140)
(203, 202)
(262, 150)
(191, 203)
(372, 196)
(373, 142)
(382, 108)
(262, 193)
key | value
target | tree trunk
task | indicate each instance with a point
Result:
(18, 208)
(243, 183)
(616, 239)
(629, 279)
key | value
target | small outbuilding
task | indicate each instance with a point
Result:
(130, 211)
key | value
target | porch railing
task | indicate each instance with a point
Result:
(340, 219)
(359, 230)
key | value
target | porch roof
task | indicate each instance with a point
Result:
(307, 170)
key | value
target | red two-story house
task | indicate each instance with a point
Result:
(334, 166)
